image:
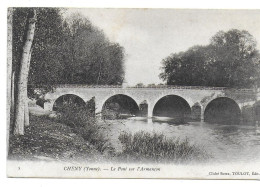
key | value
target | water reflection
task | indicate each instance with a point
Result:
(236, 143)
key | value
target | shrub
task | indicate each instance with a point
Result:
(143, 146)
(82, 121)
(110, 114)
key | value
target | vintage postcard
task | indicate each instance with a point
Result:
(133, 93)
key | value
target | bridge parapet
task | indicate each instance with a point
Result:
(195, 88)
(85, 86)
(153, 87)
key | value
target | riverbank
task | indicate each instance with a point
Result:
(48, 140)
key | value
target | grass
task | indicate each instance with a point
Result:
(144, 146)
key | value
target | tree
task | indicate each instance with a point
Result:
(46, 48)
(46, 62)
(21, 105)
(9, 73)
(151, 85)
(45, 65)
(230, 60)
(90, 58)
(70, 50)
(140, 85)
(237, 49)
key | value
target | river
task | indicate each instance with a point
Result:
(224, 143)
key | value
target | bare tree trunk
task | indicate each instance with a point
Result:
(23, 75)
(26, 109)
(26, 112)
(9, 73)
(12, 90)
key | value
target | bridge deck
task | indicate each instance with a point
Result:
(150, 87)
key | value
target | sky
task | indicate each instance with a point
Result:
(150, 35)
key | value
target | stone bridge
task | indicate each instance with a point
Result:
(193, 95)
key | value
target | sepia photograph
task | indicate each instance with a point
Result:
(133, 93)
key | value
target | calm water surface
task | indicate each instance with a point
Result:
(225, 143)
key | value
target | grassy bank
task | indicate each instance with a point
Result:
(46, 139)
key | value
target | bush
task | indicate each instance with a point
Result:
(110, 114)
(143, 146)
(82, 121)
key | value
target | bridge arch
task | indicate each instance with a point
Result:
(222, 110)
(68, 100)
(173, 106)
(119, 104)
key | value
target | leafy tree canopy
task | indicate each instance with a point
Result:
(67, 50)
(230, 60)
